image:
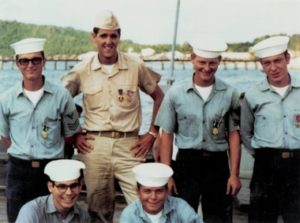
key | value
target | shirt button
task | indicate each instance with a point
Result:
(203, 122)
(203, 140)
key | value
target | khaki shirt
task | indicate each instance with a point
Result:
(111, 101)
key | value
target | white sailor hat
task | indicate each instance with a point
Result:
(152, 174)
(64, 169)
(208, 46)
(106, 20)
(29, 45)
(271, 46)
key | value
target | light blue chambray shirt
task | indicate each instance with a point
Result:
(23, 123)
(176, 210)
(192, 119)
(42, 210)
(269, 120)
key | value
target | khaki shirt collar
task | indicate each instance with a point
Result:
(121, 63)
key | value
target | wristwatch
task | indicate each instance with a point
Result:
(154, 134)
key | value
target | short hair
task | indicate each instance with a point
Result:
(96, 30)
(139, 185)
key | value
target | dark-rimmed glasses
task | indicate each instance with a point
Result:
(34, 61)
(62, 188)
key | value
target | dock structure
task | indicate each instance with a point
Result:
(66, 64)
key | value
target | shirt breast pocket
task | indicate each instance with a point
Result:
(50, 131)
(188, 125)
(126, 96)
(93, 97)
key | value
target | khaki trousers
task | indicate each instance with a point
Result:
(111, 159)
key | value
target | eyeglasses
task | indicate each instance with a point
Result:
(62, 188)
(34, 61)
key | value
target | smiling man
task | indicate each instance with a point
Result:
(270, 128)
(35, 116)
(154, 204)
(65, 182)
(202, 112)
(110, 82)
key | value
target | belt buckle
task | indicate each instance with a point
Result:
(35, 164)
(286, 155)
(115, 134)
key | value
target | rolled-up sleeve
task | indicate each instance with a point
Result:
(71, 81)
(166, 116)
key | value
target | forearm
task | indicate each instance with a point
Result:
(157, 97)
(166, 148)
(234, 153)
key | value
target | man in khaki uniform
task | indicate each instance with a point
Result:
(110, 82)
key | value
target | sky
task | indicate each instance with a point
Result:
(153, 21)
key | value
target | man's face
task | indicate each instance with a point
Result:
(205, 69)
(31, 65)
(152, 198)
(107, 43)
(65, 194)
(276, 69)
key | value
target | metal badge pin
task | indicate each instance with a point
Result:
(45, 131)
(129, 95)
(215, 130)
(120, 97)
(297, 121)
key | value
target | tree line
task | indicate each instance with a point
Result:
(70, 41)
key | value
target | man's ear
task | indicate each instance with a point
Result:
(288, 58)
(193, 55)
(50, 186)
(93, 35)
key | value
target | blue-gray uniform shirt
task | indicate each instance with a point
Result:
(42, 209)
(175, 210)
(200, 124)
(269, 120)
(23, 123)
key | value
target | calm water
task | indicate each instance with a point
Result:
(241, 79)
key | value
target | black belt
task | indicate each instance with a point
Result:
(281, 153)
(201, 152)
(114, 134)
(29, 163)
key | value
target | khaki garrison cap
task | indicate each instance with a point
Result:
(106, 20)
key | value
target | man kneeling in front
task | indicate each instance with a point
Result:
(154, 205)
(65, 181)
